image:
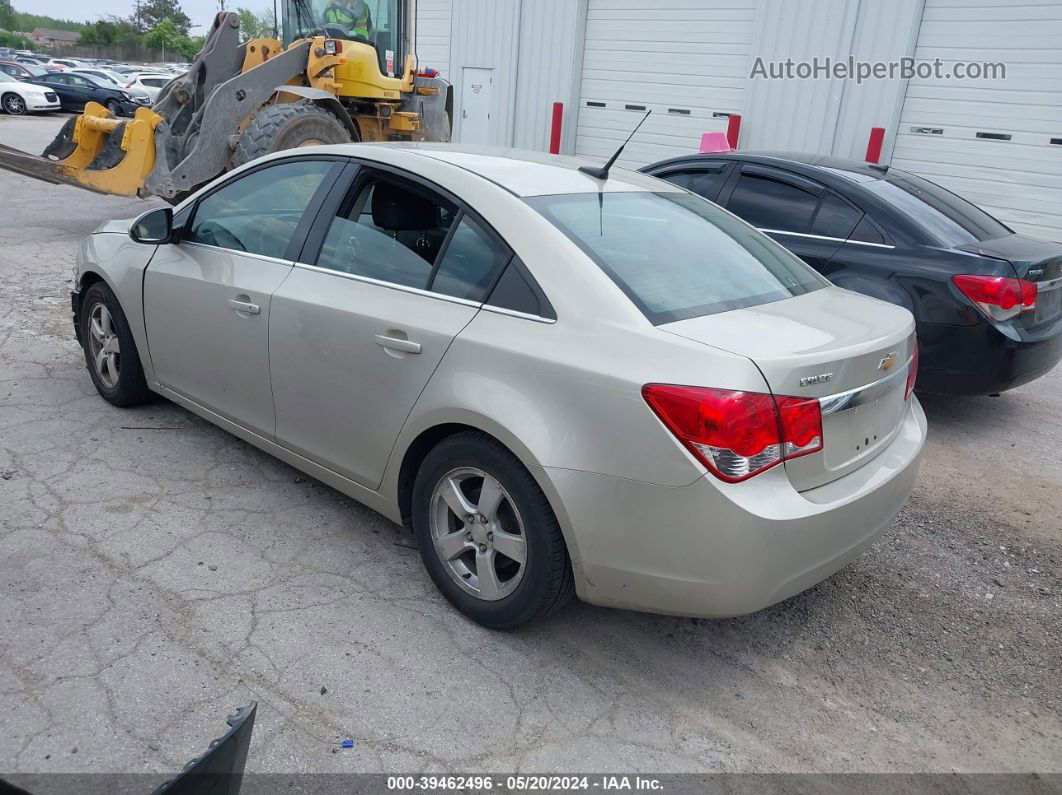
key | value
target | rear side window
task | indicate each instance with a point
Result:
(771, 204)
(469, 263)
(949, 218)
(704, 182)
(675, 255)
(258, 213)
(388, 232)
(866, 232)
(835, 218)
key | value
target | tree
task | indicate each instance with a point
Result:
(7, 16)
(166, 37)
(151, 13)
(256, 26)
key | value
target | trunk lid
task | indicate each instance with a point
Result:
(1033, 260)
(830, 343)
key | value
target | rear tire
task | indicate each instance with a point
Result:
(110, 351)
(519, 523)
(13, 104)
(279, 127)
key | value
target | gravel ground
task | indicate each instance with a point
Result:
(158, 571)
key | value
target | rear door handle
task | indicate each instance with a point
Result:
(396, 344)
(245, 306)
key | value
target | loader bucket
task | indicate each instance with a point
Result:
(94, 151)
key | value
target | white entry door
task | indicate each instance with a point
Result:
(476, 88)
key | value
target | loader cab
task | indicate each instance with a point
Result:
(386, 28)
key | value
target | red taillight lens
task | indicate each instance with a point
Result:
(999, 297)
(912, 374)
(737, 434)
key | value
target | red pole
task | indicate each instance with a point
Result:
(733, 130)
(555, 128)
(877, 138)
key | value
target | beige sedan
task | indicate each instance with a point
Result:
(562, 383)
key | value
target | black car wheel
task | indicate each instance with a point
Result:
(113, 107)
(110, 351)
(487, 534)
(13, 104)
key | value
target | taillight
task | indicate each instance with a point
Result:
(912, 374)
(737, 434)
(999, 297)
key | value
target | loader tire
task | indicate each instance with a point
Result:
(288, 126)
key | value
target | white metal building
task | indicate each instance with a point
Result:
(997, 142)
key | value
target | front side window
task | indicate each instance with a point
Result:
(675, 255)
(772, 204)
(258, 213)
(388, 232)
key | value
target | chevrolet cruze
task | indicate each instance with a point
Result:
(561, 382)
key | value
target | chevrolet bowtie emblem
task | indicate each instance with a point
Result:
(888, 361)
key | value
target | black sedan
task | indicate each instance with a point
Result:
(76, 90)
(987, 302)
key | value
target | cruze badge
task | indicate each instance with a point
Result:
(888, 361)
(821, 378)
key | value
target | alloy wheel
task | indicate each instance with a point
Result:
(14, 105)
(477, 533)
(104, 347)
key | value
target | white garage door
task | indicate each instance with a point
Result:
(998, 143)
(687, 60)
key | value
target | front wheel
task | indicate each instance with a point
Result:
(487, 534)
(288, 126)
(13, 104)
(110, 351)
(114, 108)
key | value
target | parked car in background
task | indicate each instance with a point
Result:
(987, 301)
(75, 91)
(18, 97)
(116, 80)
(21, 71)
(560, 381)
(151, 83)
(69, 63)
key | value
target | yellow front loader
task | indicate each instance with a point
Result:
(343, 70)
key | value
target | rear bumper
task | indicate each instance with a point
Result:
(984, 359)
(714, 549)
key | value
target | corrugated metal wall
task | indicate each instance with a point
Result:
(886, 30)
(484, 34)
(798, 115)
(551, 55)
(433, 35)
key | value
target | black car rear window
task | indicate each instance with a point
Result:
(676, 255)
(950, 219)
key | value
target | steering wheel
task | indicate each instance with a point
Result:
(333, 31)
(219, 236)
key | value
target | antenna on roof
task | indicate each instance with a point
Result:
(601, 172)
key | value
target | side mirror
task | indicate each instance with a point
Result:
(153, 227)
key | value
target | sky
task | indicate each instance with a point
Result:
(201, 11)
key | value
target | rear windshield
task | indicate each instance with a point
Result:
(676, 255)
(950, 219)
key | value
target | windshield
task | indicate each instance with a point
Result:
(676, 255)
(950, 219)
(375, 22)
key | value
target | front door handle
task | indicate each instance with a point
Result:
(245, 306)
(397, 344)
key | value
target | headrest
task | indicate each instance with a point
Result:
(397, 210)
